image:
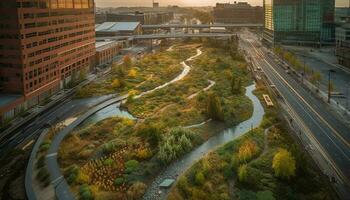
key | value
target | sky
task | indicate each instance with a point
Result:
(118, 3)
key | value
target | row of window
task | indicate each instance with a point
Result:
(53, 22)
(55, 4)
(45, 50)
(32, 63)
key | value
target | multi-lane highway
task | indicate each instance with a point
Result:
(330, 132)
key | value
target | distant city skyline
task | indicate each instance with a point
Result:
(130, 3)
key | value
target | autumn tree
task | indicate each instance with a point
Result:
(214, 108)
(284, 164)
(247, 151)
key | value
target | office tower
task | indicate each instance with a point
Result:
(44, 44)
(305, 22)
(240, 12)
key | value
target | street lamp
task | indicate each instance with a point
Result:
(347, 95)
(329, 84)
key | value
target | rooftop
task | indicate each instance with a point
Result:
(117, 26)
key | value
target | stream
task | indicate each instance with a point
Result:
(114, 109)
(180, 166)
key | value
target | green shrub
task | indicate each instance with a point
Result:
(108, 162)
(265, 195)
(136, 191)
(242, 173)
(131, 166)
(85, 192)
(246, 195)
(199, 178)
(173, 145)
(72, 174)
(119, 181)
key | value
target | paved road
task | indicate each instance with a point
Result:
(331, 133)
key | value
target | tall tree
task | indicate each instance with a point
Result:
(284, 164)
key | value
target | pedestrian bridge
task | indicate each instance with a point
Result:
(200, 26)
(165, 36)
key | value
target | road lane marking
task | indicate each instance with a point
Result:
(312, 109)
(316, 123)
(325, 154)
(27, 145)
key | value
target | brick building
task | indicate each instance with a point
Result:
(106, 51)
(43, 43)
(145, 18)
(240, 12)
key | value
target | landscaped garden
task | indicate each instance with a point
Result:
(117, 158)
(264, 164)
(151, 71)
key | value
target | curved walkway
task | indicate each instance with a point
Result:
(178, 167)
(212, 83)
(184, 73)
(58, 181)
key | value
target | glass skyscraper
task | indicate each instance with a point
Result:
(299, 21)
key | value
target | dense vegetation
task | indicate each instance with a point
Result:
(116, 158)
(265, 163)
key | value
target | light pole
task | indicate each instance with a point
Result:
(329, 84)
(347, 94)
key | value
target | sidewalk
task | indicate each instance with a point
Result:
(338, 108)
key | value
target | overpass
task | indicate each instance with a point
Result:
(166, 36)
(200, 26)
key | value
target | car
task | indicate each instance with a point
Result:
(287, 71)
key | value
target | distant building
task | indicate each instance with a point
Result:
(304, 22)
(118, 29)
(43, 45)
(343, 43)
(341, 14)
(240, 12)
(106, 51)
(155, 5)
(144, 18)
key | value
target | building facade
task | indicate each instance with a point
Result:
(305, 22)
(343, 43)
(106, 51)
(43, 44)
(145, 18)
(240, 12)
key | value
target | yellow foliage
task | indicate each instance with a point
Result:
(132, 92)
(143, 153)
(132, 73)
(83, 177)
(115, 84)
(284, 164)
(247, 151)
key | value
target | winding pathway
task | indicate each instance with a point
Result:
(184, 73)
(178, 167)
(212, 83)
(58, 181)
